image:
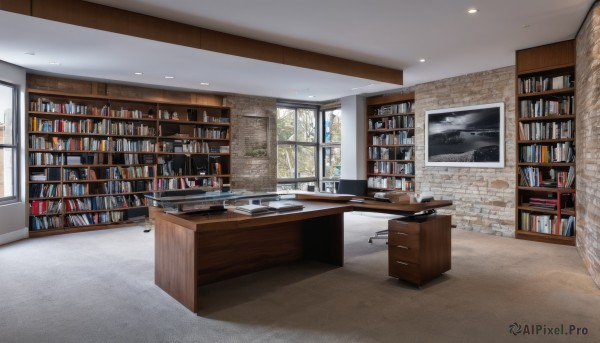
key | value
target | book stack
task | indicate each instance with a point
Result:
(282, 206)
(252, 209)
(550, 204)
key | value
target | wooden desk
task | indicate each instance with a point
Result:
(195, 250)
(192, 250)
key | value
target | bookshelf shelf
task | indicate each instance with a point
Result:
(390, 142)
(128, 133)
(545, 139)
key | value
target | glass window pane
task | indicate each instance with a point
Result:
(286, 161)
(7, 172)
(285, 124)
(6, 114)
(306, 161)
(307, 125)
(304, 186)
(286, 186)
(332, 162)
(332, 132)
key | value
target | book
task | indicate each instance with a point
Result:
(281, 206)
(252, 209)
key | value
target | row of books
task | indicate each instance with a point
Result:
(546, 203)
(126, 144)
(537, 153)
(91, 126)
(402, 137)
(104, 203)
(404, 107)
(64, 144)
(546, 130)
(212, 133)
(187, 183)
(383, 153)
(396, 122)
(532, 177)
(548, 224)
(37, 190)
(45, 223)
(564, 105)
(86, 219)
(401, 183)
(131, 129)
(43, 207)
(534, 84)
(393, 168)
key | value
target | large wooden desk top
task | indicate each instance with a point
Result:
(232, 221)
(399, 208)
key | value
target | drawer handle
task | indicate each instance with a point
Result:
(402, 263)
(400, 233)
(402, 247)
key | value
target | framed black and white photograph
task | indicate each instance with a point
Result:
(471, 136)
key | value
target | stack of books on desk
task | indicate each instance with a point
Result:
(252, 209)
(281, 206)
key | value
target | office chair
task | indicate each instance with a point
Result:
(359, 187)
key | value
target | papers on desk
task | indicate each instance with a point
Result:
(252, 209)
(281, 206)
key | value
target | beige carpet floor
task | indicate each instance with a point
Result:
(98, 287)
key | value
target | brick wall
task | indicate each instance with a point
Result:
(253, 142)
(588, 150)
(484, 198)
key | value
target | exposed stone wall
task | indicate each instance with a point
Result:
(587, 78)
(484, 198)
(253, 142)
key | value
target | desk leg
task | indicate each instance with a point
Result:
(323, 239)
(175, 262)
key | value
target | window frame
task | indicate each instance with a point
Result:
(296, 143)
(323, 145)
(4, 200)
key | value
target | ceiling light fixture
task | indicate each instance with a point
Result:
(422, 60)
(311, 96)
(204, 84)
(54, 63)
(32, 53)
(138, 73)
(472, 10)
(369, 85)
(169, 77)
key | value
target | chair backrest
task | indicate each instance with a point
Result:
(354, 187)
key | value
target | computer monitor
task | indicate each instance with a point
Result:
(354, 187)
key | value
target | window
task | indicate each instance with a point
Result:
(8, 142)
(331, 151)
(296, 147)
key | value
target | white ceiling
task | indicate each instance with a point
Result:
(391, 33)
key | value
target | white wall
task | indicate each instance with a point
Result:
(354, 138)
(13, 217)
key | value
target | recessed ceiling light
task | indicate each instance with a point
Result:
(204, 84)
(138, 73)
(472, 10)
(32, 53)
(54, 63)
(169, 77)
(422, 60)
(525, 26)
(311, 96)
(359, 87)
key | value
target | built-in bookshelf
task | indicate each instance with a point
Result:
(545, 137)
(391, 143)
(92, 158)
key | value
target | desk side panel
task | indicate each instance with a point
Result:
(230, 253)
(324, 239)
(174, 266)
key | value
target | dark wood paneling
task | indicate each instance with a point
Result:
(174, 263)
(389, 99)
(541, 58)
(65, 85)
(16, 6)
(226, 254)
(313, 60)
(110, 19)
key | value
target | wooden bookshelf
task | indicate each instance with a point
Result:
(92, 158)
(545, 140)
(391, 143)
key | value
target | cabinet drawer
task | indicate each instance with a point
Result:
(403, 253)
(403, 238)
(405, 270)
(399, 227)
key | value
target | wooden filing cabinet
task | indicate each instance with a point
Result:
(419, 248)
